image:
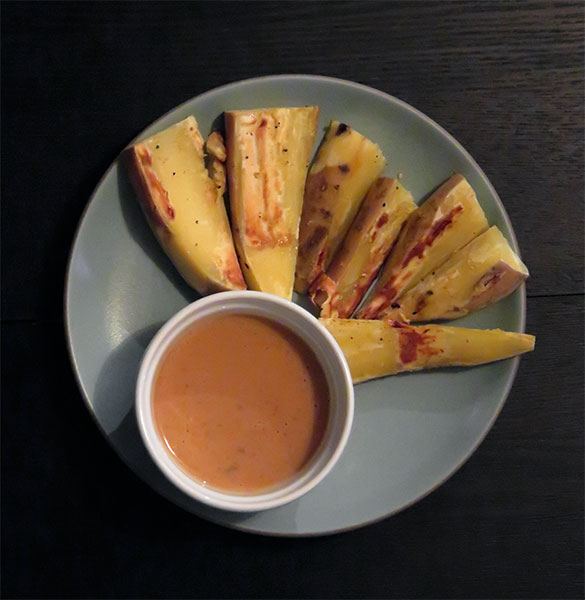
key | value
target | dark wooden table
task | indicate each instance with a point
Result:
(78, 81)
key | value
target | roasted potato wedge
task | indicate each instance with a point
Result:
(345, 167)
(379, 348)
(481, 273)
(447, 221)
(267, 159)
(184, 205)
(363, 250)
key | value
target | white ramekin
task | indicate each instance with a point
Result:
(328, 353)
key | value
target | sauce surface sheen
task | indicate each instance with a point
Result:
(241, 402)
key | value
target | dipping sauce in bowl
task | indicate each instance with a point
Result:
(241, 402)
(244, 401)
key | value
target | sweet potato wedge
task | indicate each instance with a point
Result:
(345, 167)
(481, 273)
(267, 159)
(184, 205)
(363, 250)
(447, 221)
(379, 348)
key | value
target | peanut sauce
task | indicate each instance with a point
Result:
(241, 402)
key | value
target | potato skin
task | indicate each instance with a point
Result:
(146, 194)
(363, 250)
(481, 273)
(321, 198)
(494, 286)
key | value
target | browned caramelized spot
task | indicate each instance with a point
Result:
(388, 291)
(345, 306)
(321, 259)
(144, 155)
(264, 215)
(326, 214)
(382, 221)
(421, 303)
(395, 305)
(383, 297)
(314, 185)
(322, 288)
(344, 168)
(442, 224)
(162, 195)
(419, 248)
(336, 186)
(234, 274)
(317, 237)
(416, 251)
(137, 173)
(342, 128)
(229, 267)
(413, 342)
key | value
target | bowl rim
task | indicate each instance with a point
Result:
(342, 395)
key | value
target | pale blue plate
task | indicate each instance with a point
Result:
(411, 432)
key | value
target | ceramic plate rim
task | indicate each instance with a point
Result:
(390, 98)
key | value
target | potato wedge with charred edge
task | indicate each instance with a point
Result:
(363, 250)
(345, 167)
(184, 205)
(379, 348)
(481, 273)
(268, 158)
(447, 221)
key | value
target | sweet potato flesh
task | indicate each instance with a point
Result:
(379, 348)
(481, 273)
(185, 207)
(346, 165)
(366, 245)
(268, 158)
(447, 221)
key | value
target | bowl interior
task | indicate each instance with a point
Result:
(326, 351)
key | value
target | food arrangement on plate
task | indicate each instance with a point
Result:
(410, 432)
(353, 240)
